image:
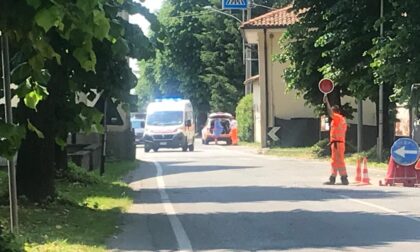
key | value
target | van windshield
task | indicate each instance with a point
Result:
(165, 118)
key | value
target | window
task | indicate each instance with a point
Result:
(165, 118)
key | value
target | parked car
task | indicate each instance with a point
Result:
(138, 127)
(208, 132)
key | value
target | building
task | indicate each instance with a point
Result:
(274, 106)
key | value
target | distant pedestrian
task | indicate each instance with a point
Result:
(217, 129)
(338, 142)
(234, 130)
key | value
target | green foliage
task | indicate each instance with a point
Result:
(321, 148)
(325, 44)
(84, 214)
(396, 56)
(62, 48)
(199, 57)
(90, 119)
(245, 118)
(372, 154)
(34, 129)
(76, 174)
(31, 91)
(10, 138)
(8, 241)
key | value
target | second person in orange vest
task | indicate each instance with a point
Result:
(338, 143)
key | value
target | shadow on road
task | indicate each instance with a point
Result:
(280, 230)
(233, 194)
(148, 169)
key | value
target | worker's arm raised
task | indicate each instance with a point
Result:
(329, 110)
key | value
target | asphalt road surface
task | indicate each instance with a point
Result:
(228, 198)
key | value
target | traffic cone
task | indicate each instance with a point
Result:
(417, 166)
(358, 177)
(365, 177)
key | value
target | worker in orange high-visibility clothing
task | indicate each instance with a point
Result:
(234, 131)
(338, 142)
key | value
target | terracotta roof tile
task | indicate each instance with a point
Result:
(275, 19)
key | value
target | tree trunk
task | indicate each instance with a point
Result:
(37, 159)
(389, 118)
(60, 158)
(35, 163)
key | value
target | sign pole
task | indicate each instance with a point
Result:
(381, 97)
(248, 53)
(9, 119)
(102, 168)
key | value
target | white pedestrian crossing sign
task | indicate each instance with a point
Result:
(235, 4)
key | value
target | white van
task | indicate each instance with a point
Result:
(169, 124)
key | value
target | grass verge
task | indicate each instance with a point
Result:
(307, 153)
(84, 214)
(299, 152)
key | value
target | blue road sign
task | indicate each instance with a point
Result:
(405, 151)
(235, 4)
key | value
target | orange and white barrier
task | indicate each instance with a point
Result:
(358, 177)
(365, 175)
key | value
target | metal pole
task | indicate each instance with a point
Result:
(359, 125)
(381, 97)
(264, 139)
(9, 119)
(243, 42)
(102, 168)
(248, 60)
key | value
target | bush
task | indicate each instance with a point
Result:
(8, 241)
(322, 148)
(76, 174)
(372, 154)
(245, 118)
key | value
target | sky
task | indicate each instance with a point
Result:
(153, 6)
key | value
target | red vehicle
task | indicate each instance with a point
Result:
(209, 134)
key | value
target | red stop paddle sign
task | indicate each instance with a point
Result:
(326, 86)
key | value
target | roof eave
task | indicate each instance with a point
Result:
(262, 27)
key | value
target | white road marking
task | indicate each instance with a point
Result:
(387, 210)
(182, 239)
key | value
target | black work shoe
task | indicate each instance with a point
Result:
(344, 180)
(331, 182)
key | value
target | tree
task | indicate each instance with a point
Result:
(332, 39)
(78, 47)
(396, 56)
(200, 55)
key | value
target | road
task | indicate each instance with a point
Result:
(228, 198)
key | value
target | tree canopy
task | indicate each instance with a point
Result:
(61, 49)
(199, 56)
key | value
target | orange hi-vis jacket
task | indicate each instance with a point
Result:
(338, 128)
(338, 146)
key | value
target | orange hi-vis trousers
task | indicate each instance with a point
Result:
(234, 135)
(337, 159)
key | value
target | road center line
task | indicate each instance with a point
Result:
(387, 210)
(182, 239)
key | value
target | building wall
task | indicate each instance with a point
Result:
(369, 111)
(286, 109)
(256, 99)
(284, 104)
(262, 81)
